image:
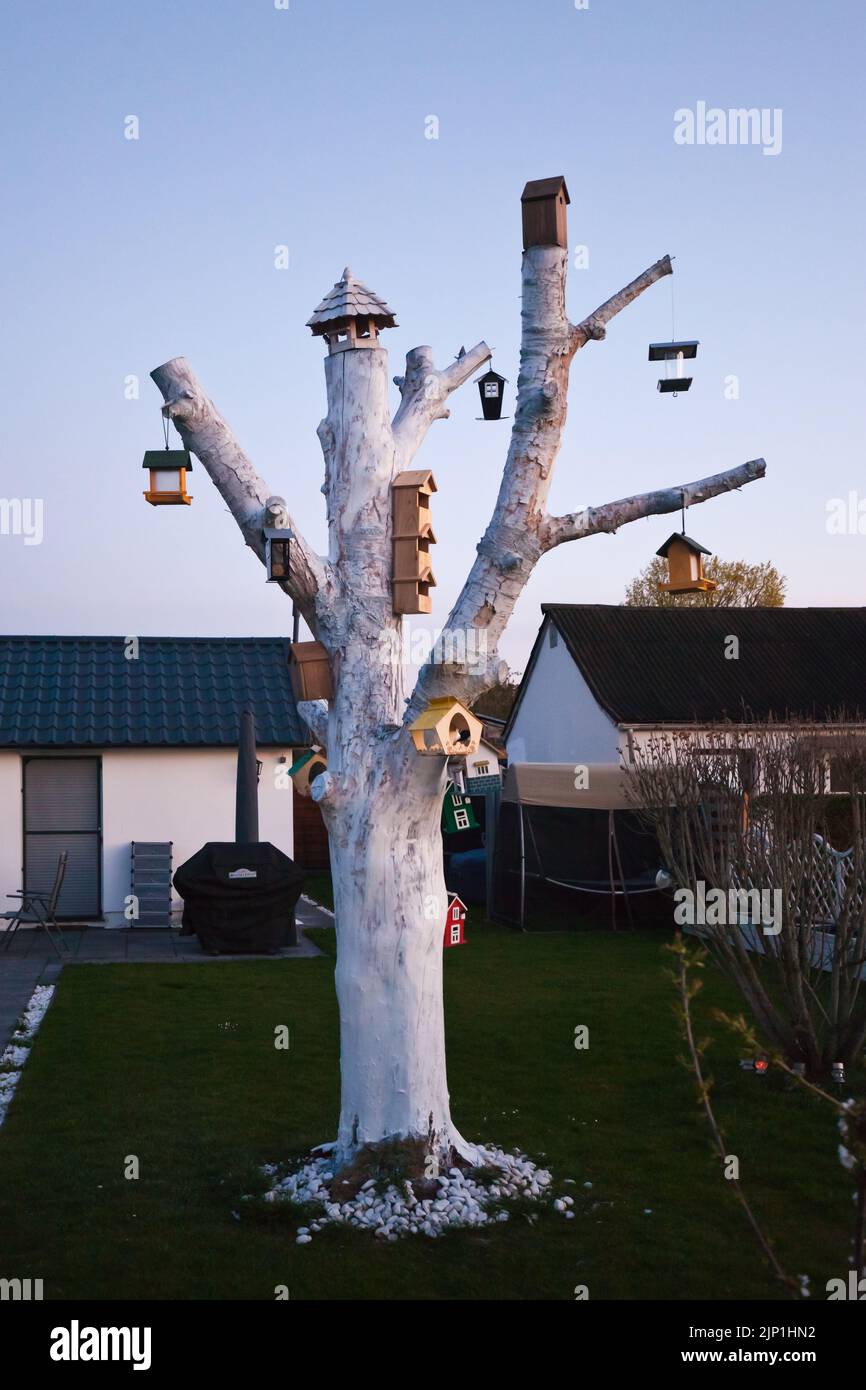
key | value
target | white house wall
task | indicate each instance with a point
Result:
(558, 720)
(11, 842)
(186, 795)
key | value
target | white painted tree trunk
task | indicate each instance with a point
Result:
(390, 903)
(381, 801)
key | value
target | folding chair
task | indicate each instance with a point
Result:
(39, 906)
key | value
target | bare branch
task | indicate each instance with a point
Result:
(315, 715)
(206, 434)
(594, 327)
(612, 515)
(511, 545)
(424, 391)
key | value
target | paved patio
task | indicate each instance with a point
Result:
(31, 959)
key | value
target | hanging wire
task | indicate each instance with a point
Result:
(673, 316)
(683, 501)
(165, 425)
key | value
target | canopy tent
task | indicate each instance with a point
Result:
(567, 829)
(585, 786)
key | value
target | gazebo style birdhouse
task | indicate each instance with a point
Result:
(278, 546)
(412, 536)
(673, 353)
(446, 728)
(350, 316)
(685, 565)
(490, 387)
(168, 469)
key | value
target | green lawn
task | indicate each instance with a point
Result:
(320, 889)
(176, 1065)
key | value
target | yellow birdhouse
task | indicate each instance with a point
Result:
(446, 728)
(685, 565)
(306, 769)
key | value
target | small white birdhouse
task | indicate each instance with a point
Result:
(446, 728)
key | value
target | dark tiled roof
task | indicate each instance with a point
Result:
(668, 665)
(74, 692)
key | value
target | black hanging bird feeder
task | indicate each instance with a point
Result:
(278, 552)
(490, 388)
(676, 352)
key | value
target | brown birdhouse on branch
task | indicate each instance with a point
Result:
(412, 537)
(310, 672)
(685, 565)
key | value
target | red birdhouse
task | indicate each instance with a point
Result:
(455, 922)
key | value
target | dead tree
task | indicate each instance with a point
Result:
(381, 801)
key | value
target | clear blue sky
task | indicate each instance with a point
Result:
(306, 127)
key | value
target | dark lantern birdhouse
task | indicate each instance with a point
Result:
(491, 389)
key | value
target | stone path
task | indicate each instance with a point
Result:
(31, 959)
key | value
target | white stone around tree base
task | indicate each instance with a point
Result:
(464, 1199)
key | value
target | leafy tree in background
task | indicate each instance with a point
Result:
(740, 585)
(497, 701)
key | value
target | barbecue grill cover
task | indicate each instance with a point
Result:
(240, 898)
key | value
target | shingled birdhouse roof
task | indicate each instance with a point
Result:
(350, 299)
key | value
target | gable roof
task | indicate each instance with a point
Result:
(684, 540)
(544, 188)
(82, 692)
(668, 665)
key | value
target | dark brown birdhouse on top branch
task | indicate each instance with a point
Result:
(543, 203)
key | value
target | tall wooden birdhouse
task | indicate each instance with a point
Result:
(310, 672)
(412, 536)
(168, 469)
(350, 316)
(543, 203)
(446, 728)
(455, 921)
(685, 565)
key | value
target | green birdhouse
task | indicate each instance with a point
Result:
(457, 813)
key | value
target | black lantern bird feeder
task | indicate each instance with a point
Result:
(278, 550)
(675, 352)
(490, 388)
